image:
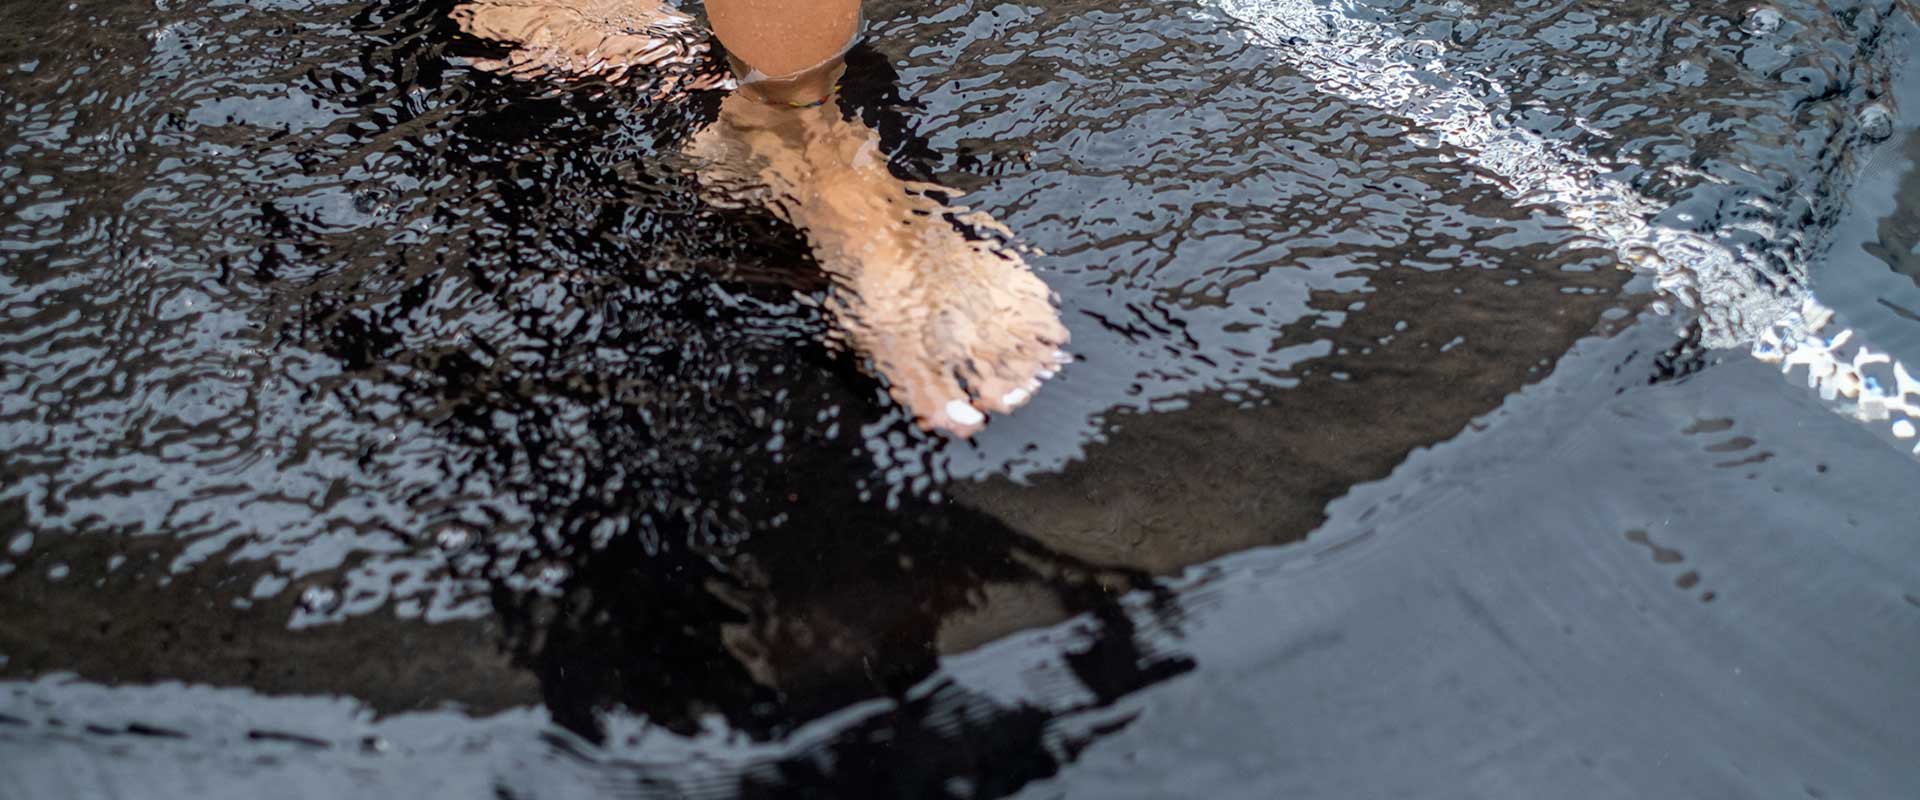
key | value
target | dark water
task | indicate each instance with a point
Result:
(373, 426)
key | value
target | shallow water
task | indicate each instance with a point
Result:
(369, 419)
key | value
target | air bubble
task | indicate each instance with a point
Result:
(320, 599)
(1761, 20)
(452, 539)
(1876, 122)
(552, 575)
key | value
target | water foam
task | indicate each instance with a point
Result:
(1739, 303)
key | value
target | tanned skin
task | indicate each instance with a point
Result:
(957, 326)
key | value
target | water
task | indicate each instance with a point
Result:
(368, 420)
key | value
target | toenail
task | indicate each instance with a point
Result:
(959, 411)
(1015, 397)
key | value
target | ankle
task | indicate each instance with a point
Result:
(803, 89)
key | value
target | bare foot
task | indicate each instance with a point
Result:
(614, 40)
(956, 326)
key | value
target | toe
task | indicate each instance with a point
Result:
(932, 394)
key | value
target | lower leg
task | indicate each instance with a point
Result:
(786, 50)
(617, 41)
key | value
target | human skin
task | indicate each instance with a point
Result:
(795, 44)
(951, 317)
(957, 325)
(615, 41)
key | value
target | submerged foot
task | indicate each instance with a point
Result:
(956, 325)
(618, 41)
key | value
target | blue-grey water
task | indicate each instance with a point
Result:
(1473, 400)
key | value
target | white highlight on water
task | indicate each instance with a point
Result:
(1779, 320)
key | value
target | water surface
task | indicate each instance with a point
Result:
(371, 420)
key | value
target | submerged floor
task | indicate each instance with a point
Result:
(367, 419)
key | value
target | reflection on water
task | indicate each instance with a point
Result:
(333, 366)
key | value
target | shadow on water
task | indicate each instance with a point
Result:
(706, 529)
(1898, 245)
